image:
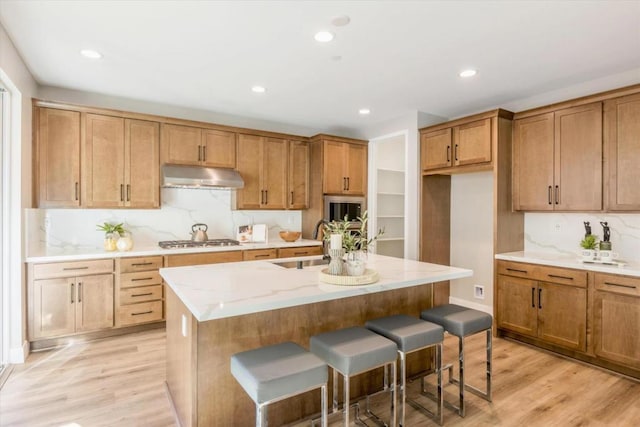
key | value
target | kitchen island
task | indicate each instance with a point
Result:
(214, 311)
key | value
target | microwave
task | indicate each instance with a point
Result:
(336, 207)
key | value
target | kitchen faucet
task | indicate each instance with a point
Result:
(316, 231)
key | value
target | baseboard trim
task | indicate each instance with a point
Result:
(19, 354)
(470, 304)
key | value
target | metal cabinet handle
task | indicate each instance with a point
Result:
(199, 153)
(455, 155)
(348, 183)
(620, 285)
(204, 153)
(557, 197)
(76, 190)
(549, 195)
(79, 291)
(540, 298)
(344, 183)
(142, 278)
(559, 277)
(142, 295)
(515, 270)
(266, 197)
(75, 268)
(262, 256)
(122, 192)
(533, 297)
(137, 264)
(144, 312)
(448, 153)
(128, 192)
(291, 199)
(72, 289)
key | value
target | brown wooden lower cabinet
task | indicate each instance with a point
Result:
(139, 296)
(300, 251)
(557, 316)
(202, 258)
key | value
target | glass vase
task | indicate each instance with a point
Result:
(356, 263)
(110, 240)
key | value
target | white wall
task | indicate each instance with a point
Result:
(16, 170)
(472, 237)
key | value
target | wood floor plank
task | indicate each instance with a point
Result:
(119, 381)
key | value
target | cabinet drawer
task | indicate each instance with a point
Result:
(258, 254)
(141, 294)
(515, 269)
(618, 284)
(72, 269)
(203, 258)
(140, 313)
(142, 278)
(561, 275)
(303, 251)
(130, 265)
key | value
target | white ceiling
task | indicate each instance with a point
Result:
(396, 57)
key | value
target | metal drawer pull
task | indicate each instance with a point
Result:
(142, 278)
(300, 253)
(122, 192)
(560, 277)
(291, 198)
(72, 286)
(76, 191)
(456, 152)
(141, 263)
(144, 312)
(533, 297)
(549, 195)
(204, 153)
(448, 153)
(142, 295)
(619, 285)
(557, 195)
(262, 255)
(515, 270)
(79, 291)
(75, 268)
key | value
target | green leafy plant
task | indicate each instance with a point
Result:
(352, 239)
(589, 241)
(111, 228)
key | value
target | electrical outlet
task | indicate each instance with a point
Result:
(478, 291)
(47, 223)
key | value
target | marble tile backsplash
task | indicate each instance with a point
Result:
(181, 208)
(561, 232)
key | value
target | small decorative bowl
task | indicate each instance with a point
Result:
(290, 236)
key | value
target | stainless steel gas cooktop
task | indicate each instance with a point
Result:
(172, 244)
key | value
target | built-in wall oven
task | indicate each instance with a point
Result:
(337, 207)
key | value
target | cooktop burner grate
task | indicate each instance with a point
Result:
(172, 244)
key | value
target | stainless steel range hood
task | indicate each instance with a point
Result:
(178, 176)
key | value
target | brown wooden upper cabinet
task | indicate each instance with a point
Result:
(462, 145)
(298, 182)
(557, 160)
(58, 157)
(622, 153)
(186, 145)
(120, 163)
(344, 168)
(262, 163)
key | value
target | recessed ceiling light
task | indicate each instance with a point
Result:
(468, 73)
(341, 21)
(91, 54)
(258, 89)
(323, 36)
(364, 111)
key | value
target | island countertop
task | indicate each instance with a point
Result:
(218, 291)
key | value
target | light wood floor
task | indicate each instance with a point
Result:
(120, 382)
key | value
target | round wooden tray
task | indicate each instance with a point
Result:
(369, 276)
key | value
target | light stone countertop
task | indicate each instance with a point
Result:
(45, 254)
(217, 291)
(556, 260)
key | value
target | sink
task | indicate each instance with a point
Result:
(302, 264)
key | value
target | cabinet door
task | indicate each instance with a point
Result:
(218, 148)
(533, 163)
(274, 173)
(94, 306)
(622, 151)
(435, 149)
(334, 179)
(53, 308)
(562, 315)
(616, 330)
(578, 158)
(142, 164)
(181, 145)
(103, 161)
(472, 143)
(356, 171)
(249, 164)
(517, 310)
(59, 158)
(298, 197)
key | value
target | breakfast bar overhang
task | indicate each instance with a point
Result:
(214, 311)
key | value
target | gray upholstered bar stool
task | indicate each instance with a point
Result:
(273, 373)
(352, 351)
(463, 322)
(411, 334)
